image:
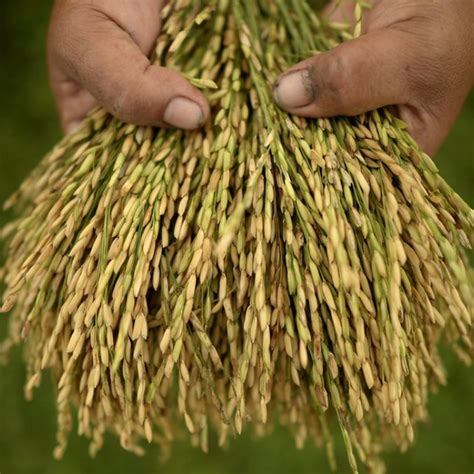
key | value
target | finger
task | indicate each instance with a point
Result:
(429, 130)
(104, 60)
(73, 103)
(361, 75)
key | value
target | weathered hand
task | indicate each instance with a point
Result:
(417, 56)
(98, 54)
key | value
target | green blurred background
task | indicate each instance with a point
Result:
(28, 128)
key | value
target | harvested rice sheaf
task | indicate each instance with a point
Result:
(266, 268)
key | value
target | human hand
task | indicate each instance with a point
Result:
(98, 54)
(417, 56)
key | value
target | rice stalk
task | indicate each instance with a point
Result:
(265, 268)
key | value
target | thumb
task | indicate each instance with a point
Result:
(105, 61)
(361, 75)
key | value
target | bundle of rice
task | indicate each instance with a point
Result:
(264, 268)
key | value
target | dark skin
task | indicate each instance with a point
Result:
(98, 54)
(416, 56)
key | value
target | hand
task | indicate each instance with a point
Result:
(415, 55)
(98, 54)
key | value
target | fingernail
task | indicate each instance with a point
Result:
(183, 113)
(294, 90)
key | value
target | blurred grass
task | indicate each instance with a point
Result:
(28, 128)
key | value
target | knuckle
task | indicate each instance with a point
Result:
(123, 105)
(127, 103)
(334, 81)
